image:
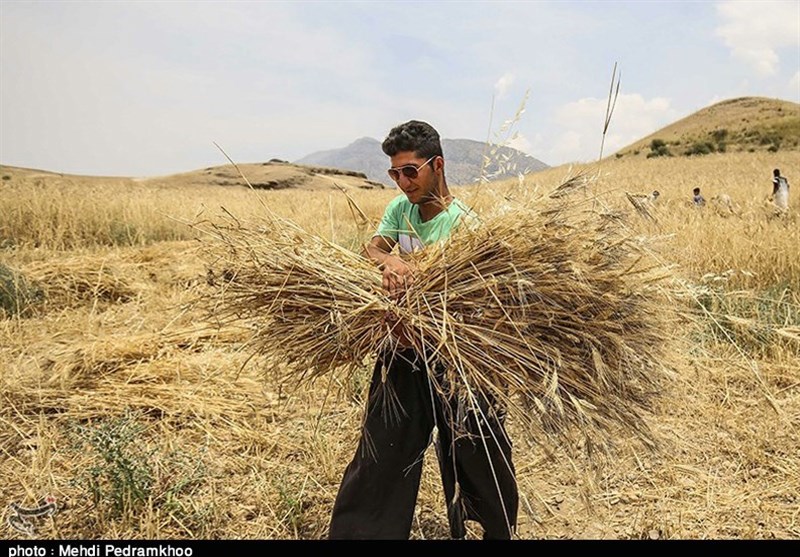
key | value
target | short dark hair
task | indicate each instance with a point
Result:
(776, 172)
(696, 190)
(413, 135)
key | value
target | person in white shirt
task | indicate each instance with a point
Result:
(780, 190)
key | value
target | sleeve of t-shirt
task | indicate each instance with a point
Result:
(389, 226)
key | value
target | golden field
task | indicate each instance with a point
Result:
(145, 422)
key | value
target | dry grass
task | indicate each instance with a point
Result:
(231, 454)
(70, 213)
(758, 247)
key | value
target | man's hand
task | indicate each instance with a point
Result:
(398, 276)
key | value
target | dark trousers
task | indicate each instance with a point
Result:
(378, 493)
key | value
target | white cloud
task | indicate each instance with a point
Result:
(503, 84)
(520, 143)
(754, 31)
(580, 126)
(794, 86)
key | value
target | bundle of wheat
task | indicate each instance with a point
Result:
(82, 278)
(153, 373)
(549, 308)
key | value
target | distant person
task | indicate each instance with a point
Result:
(724, 205)
(643, 202)
(780, 190)
(644, 199)
(697, 198)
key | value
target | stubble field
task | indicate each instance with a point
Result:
(146, 422)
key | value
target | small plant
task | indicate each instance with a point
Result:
(121, 476)
(180, 477)
(293, 503)
(17, 295)
(357, 385)
(122, 233)
(124, 475)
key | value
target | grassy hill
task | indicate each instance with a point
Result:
(747, 124)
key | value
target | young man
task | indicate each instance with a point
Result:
(378, 493)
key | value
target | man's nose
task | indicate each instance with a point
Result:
(403, 181)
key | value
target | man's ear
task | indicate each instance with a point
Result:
(438, 163)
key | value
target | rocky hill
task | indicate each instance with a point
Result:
(463, 160)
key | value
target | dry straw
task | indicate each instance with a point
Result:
(545, 306)
(78, 279)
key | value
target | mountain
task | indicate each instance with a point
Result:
(735, 125)
(463, 159)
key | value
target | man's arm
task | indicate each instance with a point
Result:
(378, 249)
(397, 274)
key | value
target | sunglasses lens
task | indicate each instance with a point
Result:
(410, 172)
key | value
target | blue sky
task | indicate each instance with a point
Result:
(144, 88)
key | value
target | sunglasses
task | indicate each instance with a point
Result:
(410, 171)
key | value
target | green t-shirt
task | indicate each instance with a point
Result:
(402, 223)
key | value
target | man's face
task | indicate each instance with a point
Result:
(423, 188)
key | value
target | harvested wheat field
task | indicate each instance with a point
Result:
(146, 418)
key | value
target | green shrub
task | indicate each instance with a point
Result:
(701, 148)
(719, 135)
(658, 148)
